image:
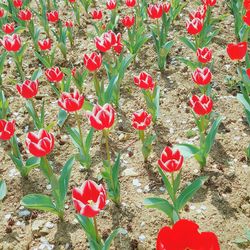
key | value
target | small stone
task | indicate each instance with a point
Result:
(142, 237)
(49, 225)
(143, 224)
(48, 187)
(162, 189)
(139, 190)
(192, 207)
(36, 226)
(146, 188)
(121, 137)
(203, 207)
(130, 172)
(136, 183)
(198, 211)
(24, 213)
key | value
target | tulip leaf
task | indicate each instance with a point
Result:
(39, 202)
(167, 185)
(36, 74)
(211, 135)
(31, 163)
(62, 117)
(189, 192)
(109, 240)
(89, 228)
(42, 60)
(160, 204)
(3, 189)
(190, 64)
(189, 43)
(110, 89)
(187, 150)
(64, 178)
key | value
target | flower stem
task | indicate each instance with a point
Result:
(96, 230)
(19, 66)
(106, 135)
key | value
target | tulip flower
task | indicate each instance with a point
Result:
(45, 44)
(210, 3)
(25, 15)
(144, 81)
(128, 21)
(71, 102)
(140, 121)
(1, 12)
(11, 43)
(246, 18)
(54, 74)
(111, 4)
(18, 3)
(194, 26)
(170, 164)
(204, 55)
(201, 105)
(202, 77)
(102, 118)
(93, 61)
(28, 89)
(170, 161)
(237, 51)
(40, 144)
(166, 7)
(199, 13)
(246, 4)
(96, 14)
(130, 3)
(89, 199)
(185, 235)
(155, 11)
(8, 28)
(69, 24)
(7, 129)
(53, 16)
(150, 91)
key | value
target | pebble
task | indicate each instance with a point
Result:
(162, 189)
(7, 216)
(192, 207)
(20, 224)
(37, 225)
(143, 224)
(48, 187)
(203, 207)
(146, 188)
(13, 172)
(142, 237)
(139, 190)
(198, 211)
(136, 183)
(49, 225)
(121, 137)
(45, 245)
(23, 213)
(130, 172)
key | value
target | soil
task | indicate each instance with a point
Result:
(223, 203)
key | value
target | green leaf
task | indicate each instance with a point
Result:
(167, 184)
(64, 178)
(189, 192)
(37, 74)
(109, 240)
(189, 43)
(39, 202)
(187, 150)
(211, 135)
(190, 64)
(3, 189)
(89, 139)
(31, 163)
(62, 117)
(160, 204)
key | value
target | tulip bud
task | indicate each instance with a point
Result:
(96, 14)
(92, 62)
(128, 21)
(237, 51)
(28, 89)
(53, 16)
(11, 43)
(201, 105)
(141, 120)
(18, 3)
(194, 26)
(1, 12)
(111, 4)
(130, 3)
(45, 44)
(202, 76)
(8, 28)
(25, 15)
(54, 74)
(204, 55)
(144, 81)
(155, 10)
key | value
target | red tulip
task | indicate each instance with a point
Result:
(73, 72)
(40, 144)
(18, 3)
(103, 43)
(130, 3)
(201, 105)
(204, 55)
(54, 74)
(53, 16)
(71, 102)
(237, 51)
(102, 117)
(69, 24)
(11, 43)
(246, 18)
(92, 62)
(248, 73)
(45, 44)
(7, 129)
(166, 7)
(141, 120)
(117, 46)
(200, 13)
(247, 4)
(202, 76)
(111, 4)
(1, 12)
(25, 15)
(96, 14)
(89, 199)
(170, 160)
(8, 28)
(128, 21)
(194, 26)
(144, 81)
(155, 10)
(72, 1)
(28, 89)
(209, 2)
(183, 235)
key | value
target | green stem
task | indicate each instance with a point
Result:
(173, 181)
(98, 239)
(79, 126)
(142, 135)
(106, 135)
(19, 66)
(97, 86)
(37, 120)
